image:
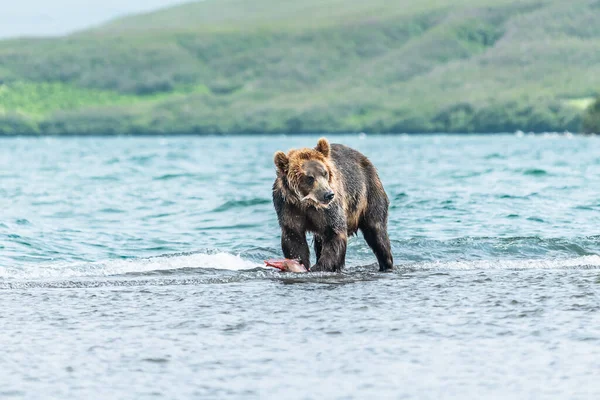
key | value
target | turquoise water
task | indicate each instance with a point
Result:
(132, 268)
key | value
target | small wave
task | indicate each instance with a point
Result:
(535, 219)
(495, 156)
(400, 196)
(587, 207)
(167, 177)
(109, 178)
(111, 210)
(510, 197)
(215, 278)
(138, 274)
(470, 174)
(585, 262)
(142, 160)
(535, 172)
(232, 204)
(228, 227)
(481, 248)
(107, 282)
(219, 261)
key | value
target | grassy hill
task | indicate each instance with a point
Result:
(246, 66)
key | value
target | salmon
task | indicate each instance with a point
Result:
(287, 265)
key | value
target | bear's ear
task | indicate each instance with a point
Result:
(281, 161)
(323, 147)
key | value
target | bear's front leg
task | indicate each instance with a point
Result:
(295, 246)
(333, 253)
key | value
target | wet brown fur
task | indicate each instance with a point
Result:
(360, 202)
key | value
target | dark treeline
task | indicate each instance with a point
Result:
(591, 119)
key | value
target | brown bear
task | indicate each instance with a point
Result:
(331, 191)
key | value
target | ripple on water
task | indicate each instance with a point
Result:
(142, 159)
(107, 178)
(167, 177)
(534, 172)
(235, 204)
(495, 156)
(535, 219)
(111, 210)
(228, 227)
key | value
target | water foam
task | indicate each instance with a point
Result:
(219, 261)
(230, 262)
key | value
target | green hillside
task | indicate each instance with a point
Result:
(249, 66)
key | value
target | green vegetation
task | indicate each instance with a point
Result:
(40, 100)
(250, 66)
(591, 118)
(582, 103)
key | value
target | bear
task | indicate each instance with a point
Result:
(331, 191)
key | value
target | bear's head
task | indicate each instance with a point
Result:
(307, 174)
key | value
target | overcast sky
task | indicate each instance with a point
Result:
(57, 17)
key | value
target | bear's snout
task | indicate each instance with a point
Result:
(328, 197)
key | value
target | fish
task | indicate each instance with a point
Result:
(287, 265)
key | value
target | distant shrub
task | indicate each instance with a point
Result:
(591, 118)
(89, 122)
(456, 118)
(14, 124)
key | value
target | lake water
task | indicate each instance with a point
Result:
(132, 268)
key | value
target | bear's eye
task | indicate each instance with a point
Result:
(310, 180)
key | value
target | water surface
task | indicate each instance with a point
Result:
(132, 268)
